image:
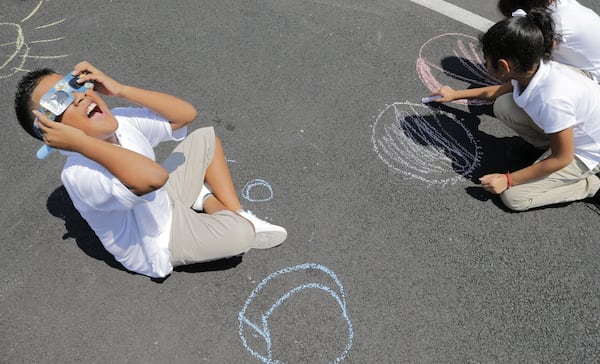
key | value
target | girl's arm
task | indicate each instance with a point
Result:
(489, 93)
(177, 111)
(563, 152)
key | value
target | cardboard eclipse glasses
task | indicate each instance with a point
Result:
(54, 102)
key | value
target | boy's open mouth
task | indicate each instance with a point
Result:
(94, 112)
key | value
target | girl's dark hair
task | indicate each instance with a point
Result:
(23, 104)
(506, 7)
(523, 40)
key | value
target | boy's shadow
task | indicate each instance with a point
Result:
(60, 205)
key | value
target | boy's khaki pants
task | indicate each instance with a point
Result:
(199, 237)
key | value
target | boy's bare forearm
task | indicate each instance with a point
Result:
(179, 112)
(139, 173)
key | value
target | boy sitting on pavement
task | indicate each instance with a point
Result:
(151, 217)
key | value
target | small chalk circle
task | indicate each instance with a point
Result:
(427, 99)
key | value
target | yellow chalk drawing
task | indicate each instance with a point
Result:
(15, 52)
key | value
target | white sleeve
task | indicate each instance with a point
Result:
(154, 127)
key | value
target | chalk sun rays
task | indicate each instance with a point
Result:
(15, 50)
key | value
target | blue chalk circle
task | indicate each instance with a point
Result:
(246, 191)
(262, 330)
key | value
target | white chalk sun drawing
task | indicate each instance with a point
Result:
(426, 144)
(15, 48)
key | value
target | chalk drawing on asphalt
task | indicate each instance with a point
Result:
(262, 191)
(257, 190)
(15, 49)
(426, 144)
(259, 311)
(465, 68)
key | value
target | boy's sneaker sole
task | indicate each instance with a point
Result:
(269, 239)
(267, 234)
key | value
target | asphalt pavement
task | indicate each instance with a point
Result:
(394, 255)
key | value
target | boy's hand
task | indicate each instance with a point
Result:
(447, 94)
(495, 183)
(102, 83)
(58, 135)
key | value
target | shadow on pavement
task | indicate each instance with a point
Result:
(60, 205)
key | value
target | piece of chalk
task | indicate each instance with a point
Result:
(44, 152)
(427, 99)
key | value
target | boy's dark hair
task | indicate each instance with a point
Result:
(506, 7)
(523, 40)
(23, 104)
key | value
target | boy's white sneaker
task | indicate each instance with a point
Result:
(267, 235)
(198, 205)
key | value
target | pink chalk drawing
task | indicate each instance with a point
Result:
(464, 69)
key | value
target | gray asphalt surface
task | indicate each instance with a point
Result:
(394, 253)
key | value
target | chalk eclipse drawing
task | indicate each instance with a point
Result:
(465, 66)
(425, 144)
(259, 311)
(15, 48)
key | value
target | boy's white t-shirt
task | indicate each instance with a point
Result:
(134, 229)
(558, 97)
(578, 27)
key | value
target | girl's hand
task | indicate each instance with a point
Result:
(447, 94)
(102, 83)
(58, 135)
(495, 183)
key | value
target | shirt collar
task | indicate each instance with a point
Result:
(522, 98)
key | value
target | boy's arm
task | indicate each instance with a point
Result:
(489, 93)
(177, 111)
(140, 174)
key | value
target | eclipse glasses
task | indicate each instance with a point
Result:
(54, 103)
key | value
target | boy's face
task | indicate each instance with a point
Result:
(88, 112)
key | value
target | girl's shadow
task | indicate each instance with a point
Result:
(493, 149)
